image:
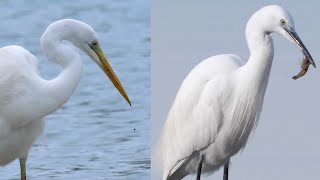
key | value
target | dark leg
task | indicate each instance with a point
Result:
(226, 171)
(199, 168)
(23, 168)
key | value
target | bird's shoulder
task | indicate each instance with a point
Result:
(209, 70)
(222, 63)
(17, 57)
(17, 66)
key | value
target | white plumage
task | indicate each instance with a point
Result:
(219, 102)
(26, 98)
(17, 67)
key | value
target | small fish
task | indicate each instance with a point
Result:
(304, 68)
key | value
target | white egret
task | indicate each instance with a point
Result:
(219, 102)
(26, 98)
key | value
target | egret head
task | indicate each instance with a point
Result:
(276, 19)
(84, 37)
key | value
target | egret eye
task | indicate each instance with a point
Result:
(282, 22)
(94, 43)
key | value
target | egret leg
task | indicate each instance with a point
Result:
(226, 171)
(23, 168)
(199, 168)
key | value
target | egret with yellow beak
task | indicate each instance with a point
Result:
(26, 97)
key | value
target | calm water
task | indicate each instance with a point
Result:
(96, 135)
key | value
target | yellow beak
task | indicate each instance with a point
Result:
(106, 67)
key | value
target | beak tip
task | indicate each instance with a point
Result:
(313, 64)
(128, 100)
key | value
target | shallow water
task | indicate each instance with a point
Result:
(96, 135)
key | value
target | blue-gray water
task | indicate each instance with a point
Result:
(96, 135)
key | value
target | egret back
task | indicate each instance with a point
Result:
(17, 68)
(195, 117)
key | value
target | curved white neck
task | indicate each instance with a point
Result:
(257, 69)
(59, 90)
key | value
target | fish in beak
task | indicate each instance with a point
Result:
(295, 38)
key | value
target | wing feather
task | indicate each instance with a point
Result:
(195, 118)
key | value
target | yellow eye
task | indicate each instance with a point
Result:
(282, 22)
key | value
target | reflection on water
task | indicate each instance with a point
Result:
(96, 135)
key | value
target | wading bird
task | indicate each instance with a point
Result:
(219, 102)
(26, 98)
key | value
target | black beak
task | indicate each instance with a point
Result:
(300, 44)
